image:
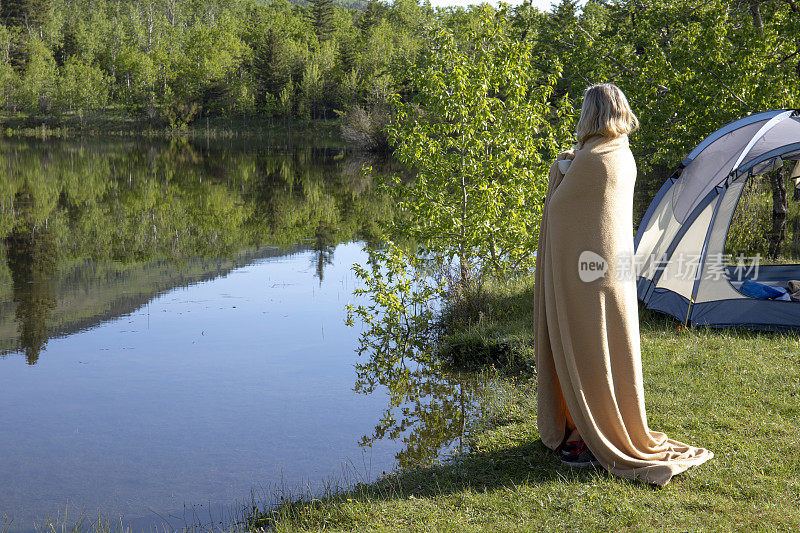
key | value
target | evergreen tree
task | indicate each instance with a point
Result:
(372, 14)
(321, 14)
(27, 13)
(272, 69)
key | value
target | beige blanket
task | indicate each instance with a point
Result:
(587, 324)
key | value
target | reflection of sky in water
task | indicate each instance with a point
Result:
(201, 395)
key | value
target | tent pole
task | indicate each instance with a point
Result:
(688, 310)
(670, 181)
(702, 263)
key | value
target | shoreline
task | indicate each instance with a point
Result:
(113, 124)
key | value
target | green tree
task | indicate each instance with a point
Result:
(9, 78)
(136, 74)
(82, 86)
(374, 11)
(272, 66)
(321, 14)
(30, 14)
(39, 79)
(687, 67)
(479, 134)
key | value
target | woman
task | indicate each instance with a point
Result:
(588, 361)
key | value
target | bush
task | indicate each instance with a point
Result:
(364, 126)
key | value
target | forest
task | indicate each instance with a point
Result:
(180, 60)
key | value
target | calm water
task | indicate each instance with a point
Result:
(172, 335)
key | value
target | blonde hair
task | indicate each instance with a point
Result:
(605, 111)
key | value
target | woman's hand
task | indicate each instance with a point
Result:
(569, 154)
(564, 159)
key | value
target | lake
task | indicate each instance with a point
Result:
(172, 337)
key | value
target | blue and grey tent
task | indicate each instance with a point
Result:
(680, 266)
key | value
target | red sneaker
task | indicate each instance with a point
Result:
(580, 456)
(569, 447)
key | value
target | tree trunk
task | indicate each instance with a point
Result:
(756, 12)
(779, 210)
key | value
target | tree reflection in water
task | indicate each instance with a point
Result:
(115, 204)
(429, 407)
(31, 257)
(322, 246)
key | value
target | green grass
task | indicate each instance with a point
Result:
(734, 392)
